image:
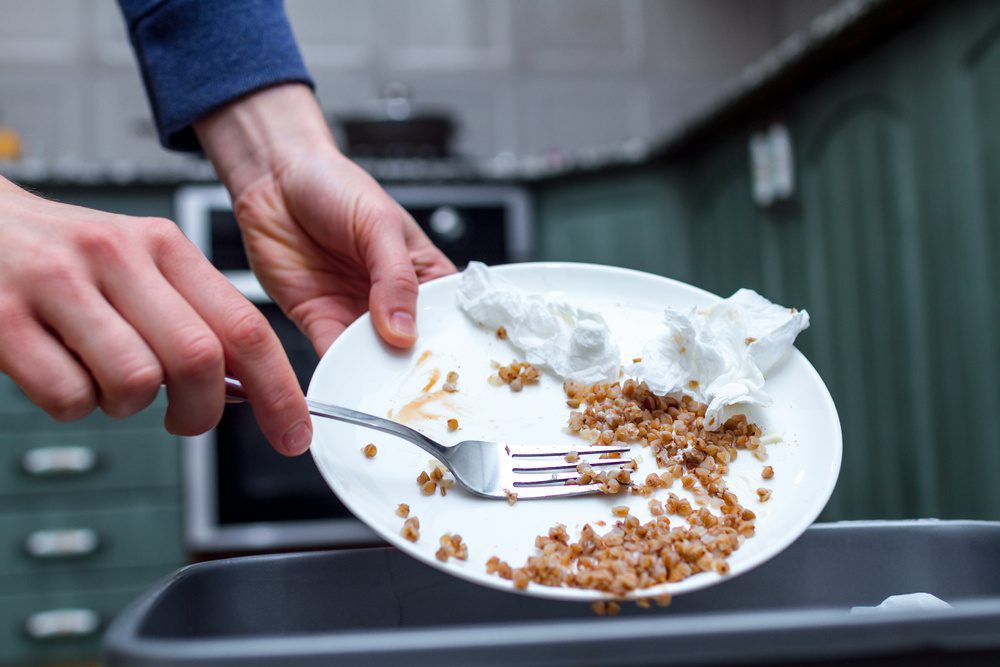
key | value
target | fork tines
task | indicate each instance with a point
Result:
(517, 451)
(546, 473)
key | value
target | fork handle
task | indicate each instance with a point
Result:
(235, 393)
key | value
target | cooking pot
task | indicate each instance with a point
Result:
(391, 128)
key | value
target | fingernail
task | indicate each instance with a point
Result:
(402, 322)
(297, 439)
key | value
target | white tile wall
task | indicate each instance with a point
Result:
(580, 35)
(671, 101)
(443, 35)
(334, 34)
(121, 125)
(709, 40)
(41, 31)
(109, 36)
(565, 113)
(521, 76)
(44, 103)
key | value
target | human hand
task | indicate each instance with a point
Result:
(326, 242)
(98, 309)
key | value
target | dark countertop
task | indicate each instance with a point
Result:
(845, 30)
(503, 168)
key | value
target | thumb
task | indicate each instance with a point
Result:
(393, 297)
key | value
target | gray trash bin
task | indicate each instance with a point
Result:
(375, 607)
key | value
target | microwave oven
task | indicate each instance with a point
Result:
(240, 495)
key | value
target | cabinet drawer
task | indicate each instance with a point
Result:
(46, 462)
(89, 540)
(57, 627)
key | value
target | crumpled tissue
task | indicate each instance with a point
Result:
(719, 355)
(572, 342)
(909, 602)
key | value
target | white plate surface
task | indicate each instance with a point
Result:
(361, 372)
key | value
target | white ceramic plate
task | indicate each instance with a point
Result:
(361, 372)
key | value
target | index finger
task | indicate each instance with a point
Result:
(252, 351)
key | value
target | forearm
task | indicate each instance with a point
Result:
(255, 136)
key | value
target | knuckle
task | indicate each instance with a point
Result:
(287, 401)
(162, 227)
(250, 330)
(383, 211)
(70, 402)
(12, 315)
(62, 278)
(189, 428)
(162, 233)
(133, 390)
(142, 379)
(183, 419)
(379, 216)
(198, 355)
(118, 409)
(101, 241)
(401, 280)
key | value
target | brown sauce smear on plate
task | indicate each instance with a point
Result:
(435, 376)
(416, 409)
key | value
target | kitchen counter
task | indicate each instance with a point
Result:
(505, 167)
(84, 173)
(847, 28)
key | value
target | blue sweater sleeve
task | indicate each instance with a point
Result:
(197, 55)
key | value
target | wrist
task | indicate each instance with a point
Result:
(257, 135)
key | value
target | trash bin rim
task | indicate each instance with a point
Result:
(123, 642)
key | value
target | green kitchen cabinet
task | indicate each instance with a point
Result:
(90, 515)
(889, 241)
(617, 220)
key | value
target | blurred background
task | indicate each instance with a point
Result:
(516, 77)
(841, 156)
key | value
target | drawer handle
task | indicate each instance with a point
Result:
(63, 543)
(69, 460)
(56, 623)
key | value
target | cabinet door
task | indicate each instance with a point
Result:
(628, 219)
(861, 225)
(727, 245)
(966, 244)
(896, 221)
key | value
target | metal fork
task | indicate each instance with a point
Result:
(487, 469)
